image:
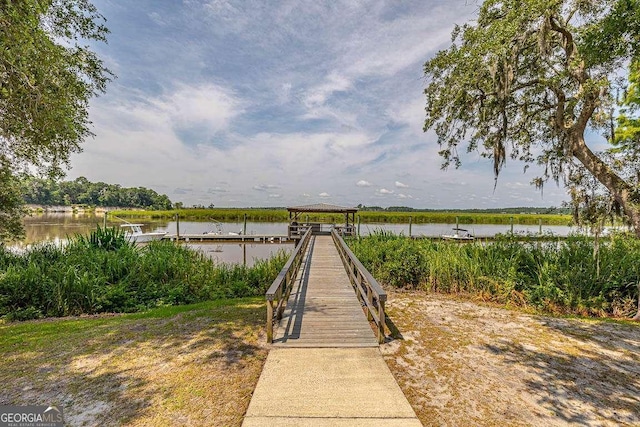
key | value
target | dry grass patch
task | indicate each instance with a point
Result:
(466, 364)
(190, 365)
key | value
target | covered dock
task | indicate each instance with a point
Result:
(299, 225)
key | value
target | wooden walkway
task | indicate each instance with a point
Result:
(325, 368)
(323, 310)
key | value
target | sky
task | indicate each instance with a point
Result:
(284, 103)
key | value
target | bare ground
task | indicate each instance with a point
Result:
(462, 363)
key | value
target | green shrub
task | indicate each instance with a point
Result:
(105, 273)
(562, 277)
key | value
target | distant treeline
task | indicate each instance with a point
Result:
(81, 191)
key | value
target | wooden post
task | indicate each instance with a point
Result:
(177, 227)
(269, 322)
(511, 221)
(457, 222)
(410, 220)
(358, 226)
(540, 226)
(369, 298)
(106, 213)
(383, 320)
(244, 227)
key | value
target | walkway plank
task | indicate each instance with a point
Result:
(323, 310)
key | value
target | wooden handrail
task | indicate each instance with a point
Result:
(279, 291)
(368, 290)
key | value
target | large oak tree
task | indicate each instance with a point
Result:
(47, 76)
(529, 78)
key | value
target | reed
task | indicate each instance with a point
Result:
(558, 277)
(105, 273)
(372, 217)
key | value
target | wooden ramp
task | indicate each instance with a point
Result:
(323, 310)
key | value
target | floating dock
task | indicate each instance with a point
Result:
(230, 238)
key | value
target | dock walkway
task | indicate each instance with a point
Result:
(325, 368)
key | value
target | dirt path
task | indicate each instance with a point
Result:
(461, 363)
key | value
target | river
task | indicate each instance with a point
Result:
(59, 226)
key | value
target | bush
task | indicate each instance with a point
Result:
(105, 273)
(562, 277)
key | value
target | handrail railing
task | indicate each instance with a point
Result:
(279, 291)
(368, 290)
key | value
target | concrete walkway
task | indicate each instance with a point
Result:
(328, 387)
(325, 367)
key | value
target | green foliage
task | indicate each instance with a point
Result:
(83, 192)
(11, 209)
(417, 217)
(47, 77)
(109, 239)
(560, 277)
(627, 133)
(527, 79)
(103, 273)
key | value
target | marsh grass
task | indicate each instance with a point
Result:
(366, 217)
(104, 272)
(558, 277)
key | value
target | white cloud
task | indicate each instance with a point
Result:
(265, 187)
(298, 100)
(206, 105)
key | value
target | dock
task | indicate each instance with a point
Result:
(227, 238)
(325, 320)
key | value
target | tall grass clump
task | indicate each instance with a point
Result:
(560, 277)
(106, 273)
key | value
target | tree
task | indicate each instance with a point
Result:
(11, 201)
(47, 77)
(527, 81)
(627, 133)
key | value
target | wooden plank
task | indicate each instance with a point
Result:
(323, 310)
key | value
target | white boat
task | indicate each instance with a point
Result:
(134, 233)
(459, 234)
(217, 230)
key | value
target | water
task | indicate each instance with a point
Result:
(59, 226)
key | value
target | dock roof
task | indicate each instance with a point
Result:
(322, 207)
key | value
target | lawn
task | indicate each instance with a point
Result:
(186, 365)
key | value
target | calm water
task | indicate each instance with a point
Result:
(51, 226)
(58, 227)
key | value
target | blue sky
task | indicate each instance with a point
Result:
(277, 103)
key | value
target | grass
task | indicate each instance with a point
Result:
(103, 272)
(281, 215)
(559, 278)
(187, 365)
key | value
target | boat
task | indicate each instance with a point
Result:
(217, 230)
(134, 233)
(460, 235)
